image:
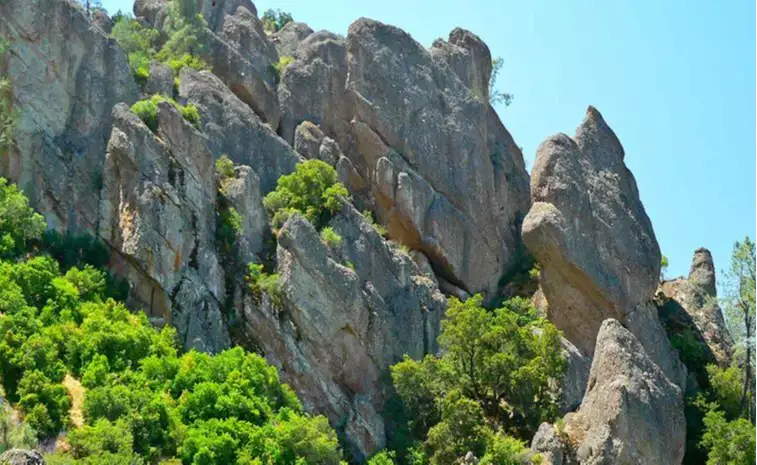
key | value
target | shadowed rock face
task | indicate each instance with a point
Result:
(430, 152)
(22, 457)
(693, 306)
(66, 75)
(588, 230)
(631, 413)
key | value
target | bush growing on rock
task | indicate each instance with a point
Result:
(147, 110)
(312, 190)
(330, 237)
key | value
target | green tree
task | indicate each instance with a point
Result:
(19, 224)
(728, 442)
(739, 305)
(312, 190)
(497, 373)
(274, 20)
(495, 96)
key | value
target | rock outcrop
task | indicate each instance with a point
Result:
(21, 457)
(631, 413)
(691, 305)
(289, 37)
(157, 213)
(430, 152)
(66, 75)
(232, 128)
(583, 197)
(345, 315)
(236, 48)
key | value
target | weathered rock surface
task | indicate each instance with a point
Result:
(157, 213)
(631, 413)
(583, 196)
(347, 314)
(232, 128)
(21, 457)
(289, 37)
(430, 153)
(160, 81)
(576, 377)
(691, 305)
(547, 443)
(312, 88)
(66, 75)
(469, 57)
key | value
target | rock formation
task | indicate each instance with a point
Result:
(429, 151)
(410, 132)
(157, 213)
(691, 305)
(66, 75)
(583, 197)
(631, 413)
(21, 457)
(346, 314)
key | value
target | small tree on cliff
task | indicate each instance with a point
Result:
(739, 304)
(496, 97)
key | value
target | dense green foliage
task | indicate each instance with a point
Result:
(143, 402)
(274, 20)
(184, 42)
(312, 190)
(331, 237)
(147, 110)
(494, 380)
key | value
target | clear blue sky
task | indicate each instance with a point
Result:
(675, 79)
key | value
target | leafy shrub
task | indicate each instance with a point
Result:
(506, 450)
(19, 224)
(728, 442)
(274, 20)
(497, 368)
(312, 190)
(331, 237)
(224, 167)
(186, 60)
(147, 110)
(281, 65)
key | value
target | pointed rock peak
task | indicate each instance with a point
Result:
(702, 271)
(596, 138)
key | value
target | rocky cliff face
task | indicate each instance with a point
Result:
(429, 152)
(410, 132)
(66, 76)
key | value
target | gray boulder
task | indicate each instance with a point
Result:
(67, 76)
(160, 81)
(21, 457)
(289, 38)
(345, 315)
(631, 413)
(583, 194)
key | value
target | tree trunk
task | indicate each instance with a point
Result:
(747, 366)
